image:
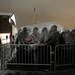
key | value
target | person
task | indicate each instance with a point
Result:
(35, 39)
(68, 37)
(62, 41)
(73, 47)
(35, 36)
(44, 35)
(32, 40)
(68, 48)
(54, 37)
(73, 35)
(21, 49)
(43, 49)
(21, 36)
(53, 40)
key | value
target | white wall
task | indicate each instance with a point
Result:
(60, 11)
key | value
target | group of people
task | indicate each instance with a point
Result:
(52, 37)
(47, 38)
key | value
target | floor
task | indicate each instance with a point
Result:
(7, 72)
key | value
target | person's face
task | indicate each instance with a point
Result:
(35, 31)
(45, 32)
(53, 28)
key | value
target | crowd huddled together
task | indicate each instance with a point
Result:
(46, 37)
(52, 37)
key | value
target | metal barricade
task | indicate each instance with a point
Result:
(5, 55)
(42, 57)
(64, 57)
(27, 55)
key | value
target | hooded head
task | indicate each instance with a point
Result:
(35, 30)
(54, 28)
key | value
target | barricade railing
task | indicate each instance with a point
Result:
(64, 57)
(26, 54)
(5, 55)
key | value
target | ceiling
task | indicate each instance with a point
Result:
(60, 11)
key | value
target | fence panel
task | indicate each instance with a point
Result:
(65, 56)
(26, 54)
(41, 56)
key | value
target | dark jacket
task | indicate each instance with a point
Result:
(54, 38)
